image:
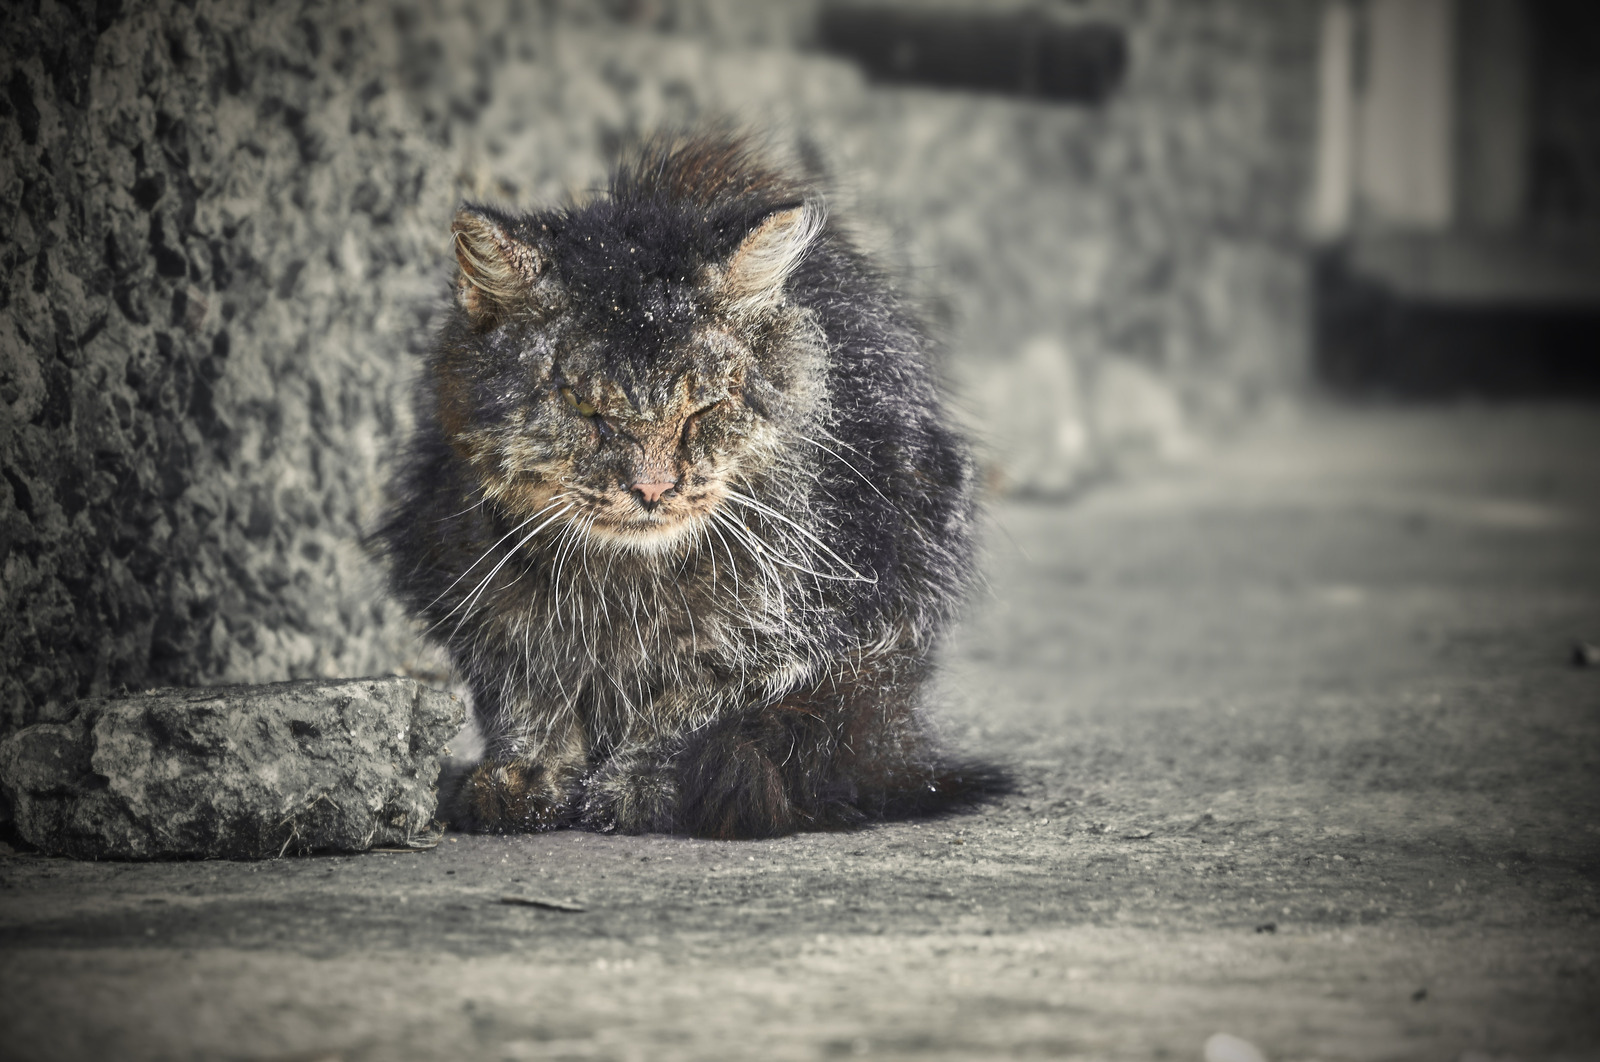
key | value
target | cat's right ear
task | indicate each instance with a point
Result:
(761, 265)
(495, 271)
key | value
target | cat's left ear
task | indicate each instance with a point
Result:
(755, 275)
(495, 268)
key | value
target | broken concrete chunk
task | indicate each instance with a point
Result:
(234, 772)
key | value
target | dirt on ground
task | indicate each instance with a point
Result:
(1302, 755)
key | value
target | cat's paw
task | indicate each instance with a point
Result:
(631, 793)
(508, 798)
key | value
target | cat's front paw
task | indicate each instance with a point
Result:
(509, 798)
(631, 793)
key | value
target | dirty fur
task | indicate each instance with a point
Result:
(685, 509)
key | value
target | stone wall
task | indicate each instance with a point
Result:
(225, 241)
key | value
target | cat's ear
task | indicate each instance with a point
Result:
(495, 268)
(755, 275)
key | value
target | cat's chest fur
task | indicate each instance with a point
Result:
(611, 634)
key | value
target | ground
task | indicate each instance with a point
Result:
(1302, 758)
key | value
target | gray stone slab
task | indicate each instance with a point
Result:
(235, 772)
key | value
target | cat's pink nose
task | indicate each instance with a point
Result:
(650, 493)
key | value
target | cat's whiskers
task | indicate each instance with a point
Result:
(768, 511)
(565, 543)
(591, 641)
(583, 554)
(566, 604)
(774, 608)
(733, 565)
(556, 500)
(688, 610)
(601, 585)
(758, 551)
(806, 438)
(633, 613)
(471, 602)
(701, 540)
(475, 505)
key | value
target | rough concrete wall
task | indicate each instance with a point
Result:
(226, 236)
(225, 217)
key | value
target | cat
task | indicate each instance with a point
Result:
(686, 511)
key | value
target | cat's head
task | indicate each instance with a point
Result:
(621, 367)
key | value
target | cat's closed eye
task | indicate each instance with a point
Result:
(584, 408)
(691, 423)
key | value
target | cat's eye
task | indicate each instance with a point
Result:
(692, 421)
(585, 409)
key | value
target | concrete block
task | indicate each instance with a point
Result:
(234, 772)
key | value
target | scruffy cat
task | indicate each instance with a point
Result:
(685, 510)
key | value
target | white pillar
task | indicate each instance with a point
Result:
(1329, 214)
(1406, 115)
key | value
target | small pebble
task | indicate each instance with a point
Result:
(1585, 654)
(1224, 1048)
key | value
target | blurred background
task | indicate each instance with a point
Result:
(1136, 226)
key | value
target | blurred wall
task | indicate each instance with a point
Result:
(225, 241)
(1457, 199)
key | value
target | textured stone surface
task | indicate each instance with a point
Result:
(218, 249)
(223, 233)
(240, 772)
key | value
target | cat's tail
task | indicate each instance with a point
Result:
(947, 787)
(784, 768)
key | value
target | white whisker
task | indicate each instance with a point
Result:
(482, 556)
(483, 584)
(766, 510)
(847, 464)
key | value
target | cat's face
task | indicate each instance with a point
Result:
(618, 401)
(636, 462)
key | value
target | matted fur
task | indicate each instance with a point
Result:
(745, 655)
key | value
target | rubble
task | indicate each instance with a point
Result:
(234, 772)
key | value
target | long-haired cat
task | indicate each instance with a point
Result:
(686, 511)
